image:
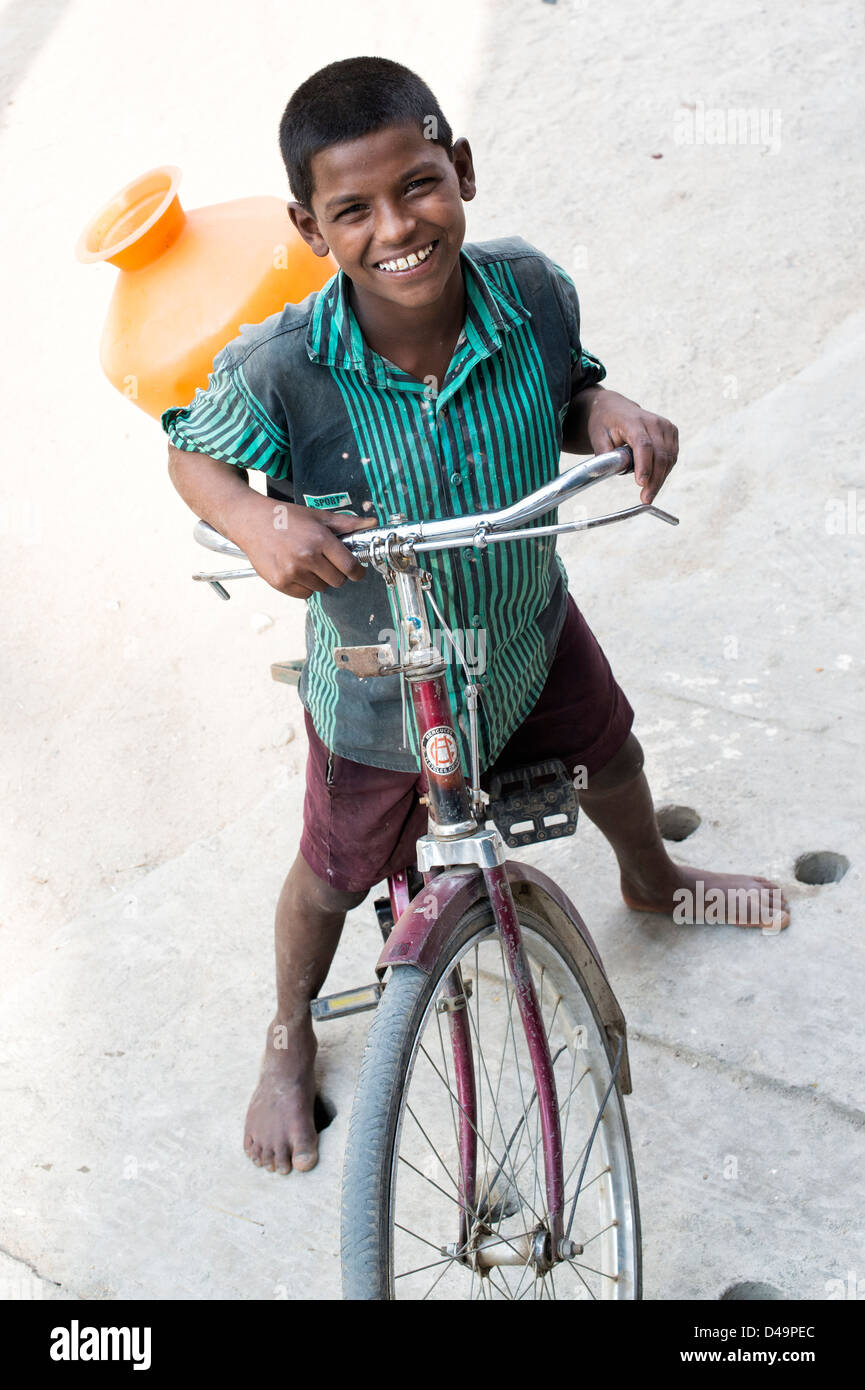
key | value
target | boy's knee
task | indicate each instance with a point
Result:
(320, 895)
(622, 768)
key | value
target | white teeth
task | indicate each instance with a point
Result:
(406, 262)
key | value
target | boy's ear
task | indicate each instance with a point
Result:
(308, 228)
(465, 169)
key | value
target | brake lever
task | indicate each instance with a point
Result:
(586, 524)
(484, 536)
(219, 589)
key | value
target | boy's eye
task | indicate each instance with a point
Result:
(360, 207)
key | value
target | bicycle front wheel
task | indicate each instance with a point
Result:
(406, 1232)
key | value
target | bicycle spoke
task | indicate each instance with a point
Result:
(507, 980)
(402, 1158)
(576, 1161)
(579, 1276)
(568, 1101)
(502, 1132)
(586, 1240)
(434, 1264)
(496, 1287)
(460, 1107)
(433, 1147)
(533, 1151)
(602, 1273)
(525, 1271)
(444, 1063)
(591, 1139)
(432, 1245)
(510, 1026)
(432, 1285)
(521, 1121)
(461, 1204)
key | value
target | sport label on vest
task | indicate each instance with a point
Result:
(328, 500)
(440, 751)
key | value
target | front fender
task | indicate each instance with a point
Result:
(422, 930)
(429, 919)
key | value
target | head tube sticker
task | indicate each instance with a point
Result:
(328, 500)
(440, 752)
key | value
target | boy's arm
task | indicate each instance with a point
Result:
(599, 420)
(297, 553)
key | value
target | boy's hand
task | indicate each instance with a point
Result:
(298, 551)
(611, 420)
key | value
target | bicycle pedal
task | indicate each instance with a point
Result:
(351, 1001)
(288, 672)
(532, 804)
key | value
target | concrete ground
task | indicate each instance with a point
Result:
(153, 773)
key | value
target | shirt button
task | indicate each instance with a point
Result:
(456, 479)
(476, 622)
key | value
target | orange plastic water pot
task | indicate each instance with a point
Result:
(187, 282)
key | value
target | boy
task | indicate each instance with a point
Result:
(430, 380)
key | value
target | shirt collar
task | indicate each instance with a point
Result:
(334, 337)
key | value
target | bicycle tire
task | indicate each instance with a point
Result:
(372, 1173)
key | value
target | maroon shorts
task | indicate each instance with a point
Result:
(361, 823)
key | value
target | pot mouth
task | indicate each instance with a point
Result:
(119, 231)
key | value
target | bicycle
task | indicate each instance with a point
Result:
(488, 1153)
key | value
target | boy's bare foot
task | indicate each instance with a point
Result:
(280, 1129)
(696, 896)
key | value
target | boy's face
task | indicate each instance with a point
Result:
(390, 196)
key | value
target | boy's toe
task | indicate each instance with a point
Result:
(305, 1159)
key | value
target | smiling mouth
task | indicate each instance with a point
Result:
(406, 265)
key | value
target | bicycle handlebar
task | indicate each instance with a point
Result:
(480, 528)
(483, 527)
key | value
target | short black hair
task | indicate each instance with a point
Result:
(350, 99)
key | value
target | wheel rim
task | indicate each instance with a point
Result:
(509, 1219)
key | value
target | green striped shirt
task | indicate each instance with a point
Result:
(304, 398)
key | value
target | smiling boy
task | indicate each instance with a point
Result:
(433, 379)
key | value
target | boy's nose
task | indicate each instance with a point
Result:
(394, 228)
